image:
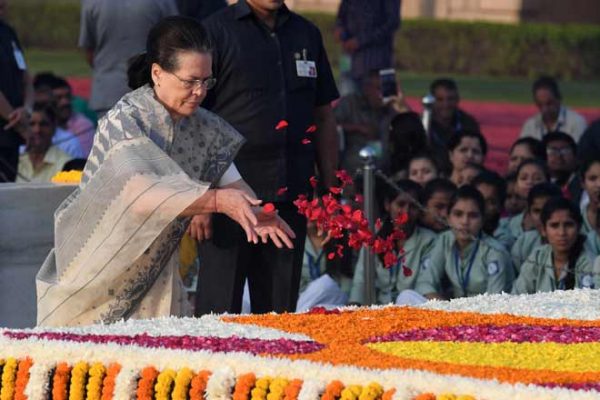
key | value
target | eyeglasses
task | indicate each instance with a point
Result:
(558, 151)
(192, 84)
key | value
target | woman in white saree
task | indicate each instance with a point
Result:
(156, 161)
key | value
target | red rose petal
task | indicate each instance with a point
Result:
(311, 129)
(268, 208)
(281, 124)
(335, 190)
(313, 181)
(281, 191)
(306, 141)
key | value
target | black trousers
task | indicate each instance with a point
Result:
(9, 162)
(228, 259)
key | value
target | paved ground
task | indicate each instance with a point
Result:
(500, 122)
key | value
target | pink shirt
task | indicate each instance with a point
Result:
(84, 129)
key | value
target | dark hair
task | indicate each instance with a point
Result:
(587, 164)
(434, 186)
(558, 204)
(468, 192)
(406, 137)
(425, 155)
(536, 147)
(405, 185)
(512, 177)
(77, 164)
(45, 80)
(559, 137)
(165, 40)
(446, 83)
(544, 189)
(546, 82)
(538, 163)
(46, 109)
(493, 179)
(455, 140)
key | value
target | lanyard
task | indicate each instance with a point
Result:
(464, 280)
(314, 268)
(561, 117)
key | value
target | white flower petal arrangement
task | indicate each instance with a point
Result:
(229, 347)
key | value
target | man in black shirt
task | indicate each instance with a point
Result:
(275, 86)
(16, 98)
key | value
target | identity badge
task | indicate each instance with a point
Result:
(306, 69)
(20, 60)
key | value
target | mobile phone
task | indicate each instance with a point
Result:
(389, 88)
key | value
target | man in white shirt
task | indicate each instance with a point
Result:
(553, 116)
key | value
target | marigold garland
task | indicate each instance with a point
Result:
(388, 394)
(198, 385)
(351, 392)
(333, 390)
(9, 373)
(60, 381)
(108, 386)
(94, 385)
(145, 389)
(71, 177)
(261, 388)
(372, 391)
(182, 384)
(277, 388)
(293, 390)
(426, 396)
(22, 378)
(243, 386)
(164, 384)
(78, 381)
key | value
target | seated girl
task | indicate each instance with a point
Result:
(389, 282)
(529, 240)
(526, 148)
(563, 263)
(435, 197)
(422, 168)
(473, 262)
(465, 147)
(530, 173)
(590, 178)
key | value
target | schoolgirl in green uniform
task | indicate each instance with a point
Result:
(389, 282)
(563, 263)
(529, 240)
(590, 180)
(435, 197)
(473, 262)
(529, 174)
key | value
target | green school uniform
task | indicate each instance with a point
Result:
(486, 267)
(592, 243)
(389, 282)
(537, 273)
(509, 229)
(314, 265)
(586, 227)
(524, 246)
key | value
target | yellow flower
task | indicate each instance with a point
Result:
(351, 392)
(94, 385)
(446, 396)
(9, 375)
(465, 397)
(263, 383)
(78, 378)
(182, 383)
(71, 177)
(164, 382)
(371, 392)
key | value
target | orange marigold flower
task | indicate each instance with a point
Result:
(333, 390)
(198, 385)
(243, 386)
(22, 378)
(425, 396)
(108, 386)
(60, 381)
(145, 389)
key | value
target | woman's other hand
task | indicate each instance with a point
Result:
(200, 228)
(270, 225)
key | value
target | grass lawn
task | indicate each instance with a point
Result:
(514, 90)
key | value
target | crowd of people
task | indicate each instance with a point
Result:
(469, 230)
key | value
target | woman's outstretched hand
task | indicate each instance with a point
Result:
(237, 205)
(270, 225)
